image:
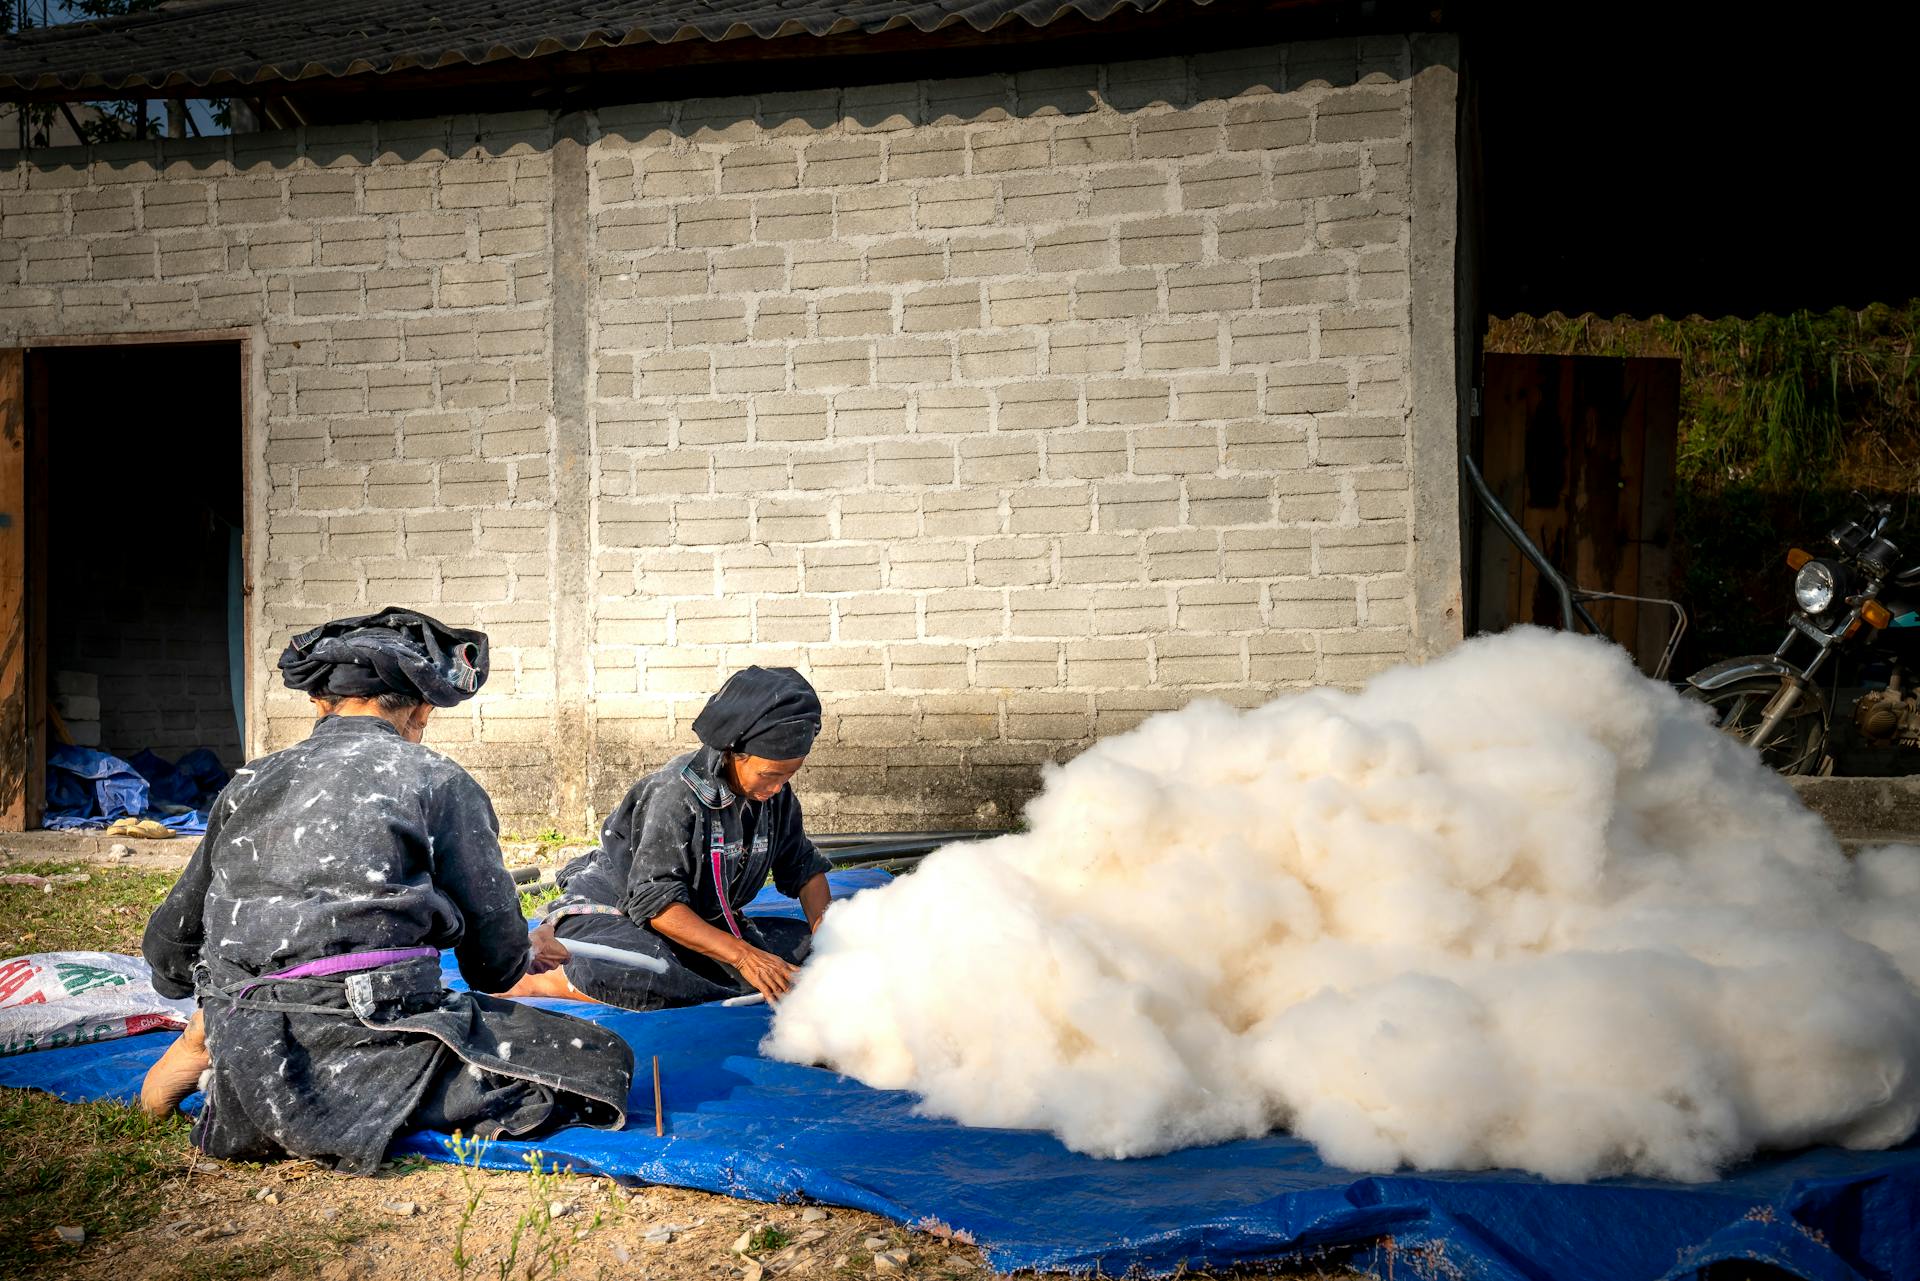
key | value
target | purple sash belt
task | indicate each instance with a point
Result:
(345, 963)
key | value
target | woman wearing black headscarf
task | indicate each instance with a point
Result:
(685, 852)
(309, 923)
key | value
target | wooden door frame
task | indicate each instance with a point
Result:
(27, 813)
(16, 710)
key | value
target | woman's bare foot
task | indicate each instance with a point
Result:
(177, 1074)
(552, 984)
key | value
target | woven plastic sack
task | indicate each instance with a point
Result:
(51, 999)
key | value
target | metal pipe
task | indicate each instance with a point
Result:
(840, 840)
(1776, 711)
(1569, 608)
(1660, 668)
(873, 853)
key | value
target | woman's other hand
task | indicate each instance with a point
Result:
(549, 953)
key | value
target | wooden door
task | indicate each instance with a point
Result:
(1580, 449)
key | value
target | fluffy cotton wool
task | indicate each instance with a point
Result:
(1520, 907)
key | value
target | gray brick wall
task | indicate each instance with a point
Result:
(1012, 409)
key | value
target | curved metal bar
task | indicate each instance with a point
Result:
(1569, 607)
(1661, 668)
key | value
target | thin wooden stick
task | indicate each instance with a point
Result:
(659, 1121)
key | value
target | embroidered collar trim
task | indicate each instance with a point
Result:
(713, 793)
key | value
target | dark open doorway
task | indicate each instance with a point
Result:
(133, 485)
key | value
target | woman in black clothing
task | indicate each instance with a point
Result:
(688, 849)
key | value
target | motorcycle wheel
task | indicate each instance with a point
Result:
(1797, 746)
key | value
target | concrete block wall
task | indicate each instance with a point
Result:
(394, 285)
(1011, 409)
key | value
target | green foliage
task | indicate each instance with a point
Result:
(1782, 419)
(1763, 399)
(531, 903)
(769, 1238)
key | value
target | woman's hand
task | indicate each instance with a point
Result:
(770, 975)
(766, 973)
(549, 953)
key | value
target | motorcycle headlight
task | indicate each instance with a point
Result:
(1815, 587)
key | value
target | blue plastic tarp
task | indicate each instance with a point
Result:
(84, 783)
(90, 789)
(746, 1126)
(192, 783)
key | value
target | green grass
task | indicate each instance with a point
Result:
(106, 914)
(530, 904)
(98, 1166)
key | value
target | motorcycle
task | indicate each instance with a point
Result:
(1856, 620)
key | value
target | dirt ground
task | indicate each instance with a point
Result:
(150, 1207)
(420, 1219)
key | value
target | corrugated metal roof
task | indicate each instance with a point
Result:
(224, 45)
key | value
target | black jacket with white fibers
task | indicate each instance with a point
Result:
(352, 841)
(656, 848)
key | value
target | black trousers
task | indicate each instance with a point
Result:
(691, 979)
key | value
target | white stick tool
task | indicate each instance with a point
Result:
(616, 955)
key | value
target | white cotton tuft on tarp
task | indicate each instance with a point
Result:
(1520, 907)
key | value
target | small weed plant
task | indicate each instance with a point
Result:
(769, 1238)
(538, 1247)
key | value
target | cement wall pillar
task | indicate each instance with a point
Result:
(572, 473)
(1441, 343)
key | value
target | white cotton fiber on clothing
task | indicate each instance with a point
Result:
(1520, 907)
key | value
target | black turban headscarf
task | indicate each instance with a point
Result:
(770, 712)
(394, 651)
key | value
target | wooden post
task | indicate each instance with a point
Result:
(15, 731)
(38, 436)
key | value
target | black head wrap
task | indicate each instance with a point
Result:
(394, 651)
(770, 712)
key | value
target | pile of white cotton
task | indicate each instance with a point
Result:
(1517, 908)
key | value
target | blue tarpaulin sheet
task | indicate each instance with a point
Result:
(89, 789)
(746, 1126)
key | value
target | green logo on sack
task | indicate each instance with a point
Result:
(77, 978)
